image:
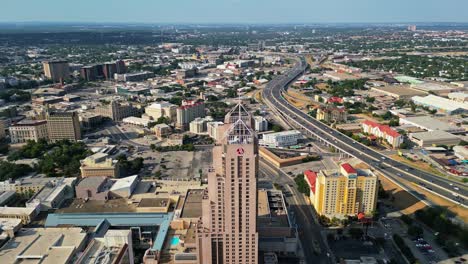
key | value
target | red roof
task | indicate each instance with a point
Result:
(335, 99)
(348, 168)
(311, 178)
(384, 128)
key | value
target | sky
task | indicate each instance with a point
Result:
(235, 11)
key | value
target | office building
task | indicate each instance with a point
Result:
(344, 192)
(120, 67)
(213, 129)
(412, 28)
(227, 232)
(332, 114)
(63, 126)
(117, 110)
(99, 164)
(26, 130)
(199, 125)
(188, 111)
(385, 132)
(57, 71)
(162, 109)
(109, 70)
(281, 139)
(2, 129)
(89, 73)
(260, 123)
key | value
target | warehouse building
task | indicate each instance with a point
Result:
(441, 104)
(436, 137)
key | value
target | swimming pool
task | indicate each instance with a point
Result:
(175, 241)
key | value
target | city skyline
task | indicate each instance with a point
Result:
(239, 11)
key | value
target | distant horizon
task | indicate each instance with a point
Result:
(402, 23)
(236, 11)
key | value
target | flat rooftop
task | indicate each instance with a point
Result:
(43, 245)
(193, 204)
(271, 209)
(400, 90)
(120, 205)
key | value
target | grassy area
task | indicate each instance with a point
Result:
(419, 165)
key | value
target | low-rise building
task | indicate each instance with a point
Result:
(161, 130)
(344, 192)
(45, 245)
(99, 164)
(7, 197)
(26, 130)
(275, 230)
(26, 214)
(460, 97)
(430, 124)
(53, 194)
(436, 137)
(281, 139)
(441, 104)
(25, 185)
(137, 121)
(390, 135)
(461, 152)
(93, 188)
(133, 77)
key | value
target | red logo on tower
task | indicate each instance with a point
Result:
(240, 151)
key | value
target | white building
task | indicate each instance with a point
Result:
(124, 187)
(212, 129)
(53, 194)
(162, 109)
(199, 125)
(281, 139)
(260, 123)
(441, 104)
(458, 97)
(137, 121)
(26, 130)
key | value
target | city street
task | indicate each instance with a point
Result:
(309, 230)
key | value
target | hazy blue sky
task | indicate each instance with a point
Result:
(235, 11)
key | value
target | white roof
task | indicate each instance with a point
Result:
(124, 183)
(440, 102)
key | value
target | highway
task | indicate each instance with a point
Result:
(272, 94)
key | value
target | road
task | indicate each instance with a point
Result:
(308, 227)
(272, 94)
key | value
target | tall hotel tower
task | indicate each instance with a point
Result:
(227, 230)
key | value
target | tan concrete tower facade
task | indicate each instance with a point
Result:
(227, 232)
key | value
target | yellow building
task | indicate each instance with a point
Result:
(98, 165)
(332, 114)
(339, 193)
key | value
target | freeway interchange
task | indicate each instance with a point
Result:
(392, 169)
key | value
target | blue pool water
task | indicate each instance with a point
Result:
(175, 241)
